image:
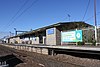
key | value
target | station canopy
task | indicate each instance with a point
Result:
(62, 26)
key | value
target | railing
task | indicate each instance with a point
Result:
(3, 64)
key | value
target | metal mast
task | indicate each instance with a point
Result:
(95, 22)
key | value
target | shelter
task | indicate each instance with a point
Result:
(49, 35)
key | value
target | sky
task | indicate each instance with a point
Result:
(25, 15)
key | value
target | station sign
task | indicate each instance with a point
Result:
(50, 31)
(72, 36)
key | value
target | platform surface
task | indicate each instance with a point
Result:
(74, 47)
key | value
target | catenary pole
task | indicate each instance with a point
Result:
(95, 22)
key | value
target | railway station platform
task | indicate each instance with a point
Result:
(51, 50)
(73, 47)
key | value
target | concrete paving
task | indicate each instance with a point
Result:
(91, 48)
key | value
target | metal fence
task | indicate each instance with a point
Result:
(89, 35)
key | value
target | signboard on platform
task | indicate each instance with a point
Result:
(50, 31)
(72, 36)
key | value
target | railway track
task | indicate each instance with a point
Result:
(31, 59)
(4, 52)
(41, 60)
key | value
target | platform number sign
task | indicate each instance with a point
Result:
(72, 36)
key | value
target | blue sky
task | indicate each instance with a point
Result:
(43, 13)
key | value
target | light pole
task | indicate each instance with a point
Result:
(95, 22)
(68, 16)
(10, 34)
(15, 31)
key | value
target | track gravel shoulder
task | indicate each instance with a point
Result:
(86, 62)
(32, 59)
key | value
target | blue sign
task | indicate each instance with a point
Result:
(72, 36)
(50, 31)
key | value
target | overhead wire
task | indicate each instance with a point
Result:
(20, 9)
(13, 19)
(16, 13)
(23, 11)
(86, 10)
(3, 34)
(92, 16)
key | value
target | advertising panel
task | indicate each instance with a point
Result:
(72, 36)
